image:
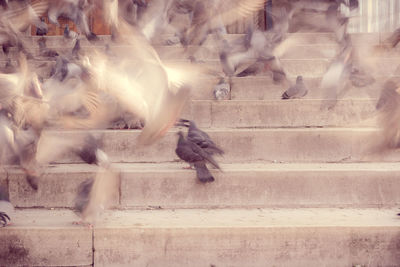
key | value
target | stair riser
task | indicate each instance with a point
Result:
(311, 68)
(310, 246)
(46, 246)
(244, 146)
(200, 53)
(280, 113)
(238, 189)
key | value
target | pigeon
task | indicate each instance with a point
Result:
(194, 154)
(76, 49)
(298, 90)
(74, 10)
(394, 38)
(200, 138)
(91, 153)
(43, 30)
(257, 51)
(96, 194)
(388, 106)
(4, 4)
(222, 90)
(360, 78)
(44, 51)
(69, 34)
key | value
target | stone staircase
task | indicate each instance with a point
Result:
(298, 186)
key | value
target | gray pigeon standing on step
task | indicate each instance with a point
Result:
(194, 154)
(296, 91)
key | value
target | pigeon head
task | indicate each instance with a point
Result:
(182, 122)
(299, 79)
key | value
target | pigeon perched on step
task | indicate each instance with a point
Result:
(298, 90)
(194, 154)
(222, 90)
(6, 209)
(200, 137)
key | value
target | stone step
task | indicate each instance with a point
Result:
(246, 145)
(281, 113)
(263, 88)
(168, 185)
(197, 237)
(45, 238)
(299, 38)
(295, 51)
(309, 68)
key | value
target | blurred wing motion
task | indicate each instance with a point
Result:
(234, 10)
(142, 84)
(388, 107)
(96, 195)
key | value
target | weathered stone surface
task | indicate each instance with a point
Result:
(247, 145)
(275, 113)
(266, 185)
(58, 187)
(310, 237)
(239, 185)
(45, 238)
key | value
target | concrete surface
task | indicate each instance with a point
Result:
(45, 238)
(200, 237)
(281, 113)
(247, 145)
(168, 185)
(307, 237)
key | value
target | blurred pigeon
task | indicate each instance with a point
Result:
(76, 49)
(91, 153)
(388, 107)
(194, 154)
(394, 39)
(74, 10)
(69, 34)
(298, 90)
(360, 78)
(4, 4)
(41, 31)
(222, 90)
(96, 195)
(44, 51)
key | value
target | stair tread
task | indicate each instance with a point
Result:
(211, 218)
(231, 167)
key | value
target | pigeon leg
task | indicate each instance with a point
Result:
(3, 219)
(82, 223)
